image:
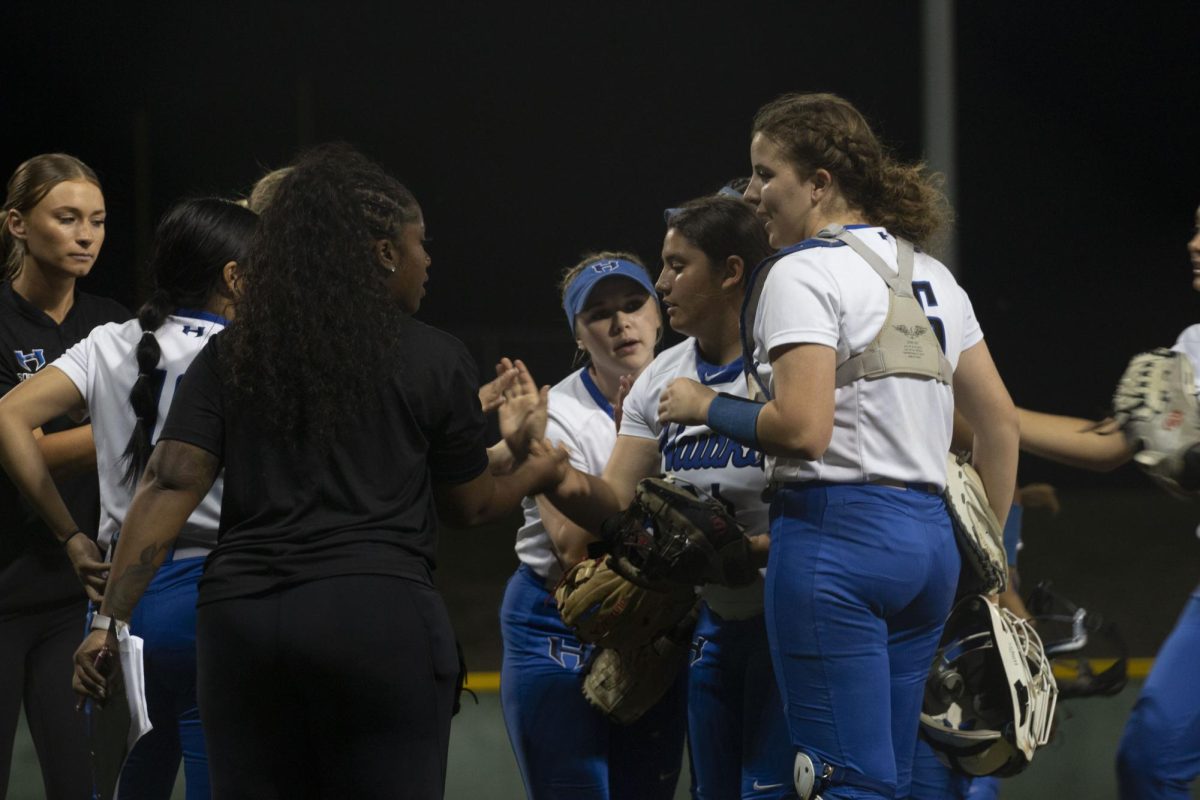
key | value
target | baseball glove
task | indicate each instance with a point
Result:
(676, 533)
(1155, 405)
(609, 610)
(980, 536)
(624, 684)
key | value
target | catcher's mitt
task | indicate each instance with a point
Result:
(674, 532)
(625, 684)
(611, 611)
(980, 536)
(1155, 405)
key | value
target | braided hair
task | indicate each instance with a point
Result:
(314, 286)
(824, 131)
(193, 243)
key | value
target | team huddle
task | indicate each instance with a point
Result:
(784, 541)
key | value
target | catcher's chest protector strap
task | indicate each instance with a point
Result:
(906, 344)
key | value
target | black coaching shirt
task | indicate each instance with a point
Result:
(365, 506)
(34, 572)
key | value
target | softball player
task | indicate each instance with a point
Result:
(124, 376)
(737, 736)
(53, 231)
(564, 747)
(1159, 754)
(863, 562)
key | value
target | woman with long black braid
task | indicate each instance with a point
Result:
(124, 375)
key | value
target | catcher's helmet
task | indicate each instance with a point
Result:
(990, 695)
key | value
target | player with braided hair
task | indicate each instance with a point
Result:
(124, 376)
(565, 747)
(863, 348)
(737, 736)
(1159, 754)
(52, 233)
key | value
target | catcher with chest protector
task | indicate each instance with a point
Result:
(1155, 424)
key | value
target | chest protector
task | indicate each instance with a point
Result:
(905, 345)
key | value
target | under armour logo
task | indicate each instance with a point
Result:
(605, 266)
(198, 330)
(913, 332)
(697, 650)
(31, 361)
(561, 652)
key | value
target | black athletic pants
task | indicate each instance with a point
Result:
(37, 651)
(340, 687)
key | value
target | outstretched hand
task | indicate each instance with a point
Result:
(89, 566)
(491, 394)
(685, 402)
(523, 411)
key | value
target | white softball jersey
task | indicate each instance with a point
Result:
(103, 368)
(895, 427)
(580, 417)
(697, 454)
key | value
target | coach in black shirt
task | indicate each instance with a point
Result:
(344, 428)
(53, 229)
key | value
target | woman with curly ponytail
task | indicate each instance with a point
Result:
(124, 376)
(346, 429)
(862, 347)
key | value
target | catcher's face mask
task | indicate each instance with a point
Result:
(990, 695)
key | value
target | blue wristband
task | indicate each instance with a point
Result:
(736, 417)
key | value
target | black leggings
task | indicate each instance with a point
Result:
(37, 651)
(340, 687)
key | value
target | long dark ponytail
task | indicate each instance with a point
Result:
(193, 243)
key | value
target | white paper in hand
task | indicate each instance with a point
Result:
(116, 726)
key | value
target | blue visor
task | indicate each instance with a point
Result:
(596, 271)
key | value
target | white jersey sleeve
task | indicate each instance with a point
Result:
(896, 427)
(697, 454)
(103, 367)
(1188, 343)
(581, 418)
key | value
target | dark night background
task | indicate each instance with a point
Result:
(534, 132)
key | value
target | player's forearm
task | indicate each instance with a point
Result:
(153, 523)
(68, 453)
(994, 455)
(586, 500)
(488, 497)
(1100, 447)
(795, 435)
(500, 458)
(22, 459)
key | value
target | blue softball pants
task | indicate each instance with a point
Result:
(565, 747)
(737, 736)
(859, 584)
(1159, 754)
(165, 618)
